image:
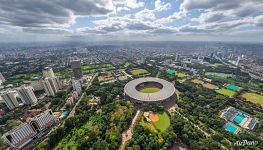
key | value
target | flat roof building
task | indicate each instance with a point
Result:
(26, 132)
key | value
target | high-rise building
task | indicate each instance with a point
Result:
(76, 68)
(50, 86)
(10, 99)
(2, 79)
(37, 85)
(76, 85)
(27, 95)
(23, 134)
(48, 72)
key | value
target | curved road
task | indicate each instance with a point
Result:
(127, 134)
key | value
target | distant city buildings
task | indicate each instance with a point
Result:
(27, 95)
(29, 130)
(76, 68)
(2, 79)
(10, 99)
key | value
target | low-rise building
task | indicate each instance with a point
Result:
(26, 132)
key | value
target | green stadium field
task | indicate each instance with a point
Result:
(226, 92)
(150, 90)
(253, 97)
(163, 123)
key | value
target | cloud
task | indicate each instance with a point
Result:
(49, 14)
(129, 3)
(230, 7)
(160, 6)
(145, 14)
(139, 26)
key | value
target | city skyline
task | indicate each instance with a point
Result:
(131, 20)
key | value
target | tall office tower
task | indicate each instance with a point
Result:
(27, 95)
(10, 99)
(48, 72)
(76, 68)
(2, 79)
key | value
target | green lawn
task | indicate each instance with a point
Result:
(254, 98)
(226, 92)
(180, 74)
(89, 69)
(150, 90)
(163, 123)
(139, 71)
(222, 75)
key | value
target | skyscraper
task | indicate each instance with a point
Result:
(50, 86)
(27, 95)
(10, 99)
(48, 72)
(2, 79)
(76, 68)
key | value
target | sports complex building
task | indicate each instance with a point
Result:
(149, 90)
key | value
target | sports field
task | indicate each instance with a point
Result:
(233, 87)
(197, 81)
(222, 75)
(150, 90)
(180, 74)
(253, 97)
(210, 86)
(163, 123)
(226, 92)
(139, 71)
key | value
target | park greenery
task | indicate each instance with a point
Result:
(98, 128)
(202, 107)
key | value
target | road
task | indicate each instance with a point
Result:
(127, 134)
(72, 112)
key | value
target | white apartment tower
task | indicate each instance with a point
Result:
(27, 95)
(2, 79)
(10, 99)
(48, 72)
(50, 86)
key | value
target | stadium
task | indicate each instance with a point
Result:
(149, 90)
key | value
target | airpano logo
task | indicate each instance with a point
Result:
(245, 143)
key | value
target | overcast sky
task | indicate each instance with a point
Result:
(135, 20)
